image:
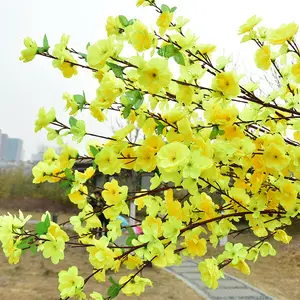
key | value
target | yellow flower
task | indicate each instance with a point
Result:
(193, 244)
(250, 23)
(210, 272)
(145, 159)
(64, 58)
(172, 156)
(242, 266)
(263, 57)
(185, 94)
(113, 26)
(155, 142)
(296, 71)
(53, 248)
(281, 235)
(163, 21)
(206, 48)
(67, 157)
(113, 193)
(227, 83)
(284, 33)
(275, 157)
(70, 284)
(99, 52)
(288, 195)
(31, 50)
(107, 161)
(133, 262)
(79, 197)
(134, 286)
(96, 108)
(216, 114)
(96, 296)
(44, 119)
(70, 103)
(155, 75)
(139, 36)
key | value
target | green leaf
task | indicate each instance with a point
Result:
(87, 45)
(114, 289)
(40, 50)
(118, 70)
(167, 51)
(173, 9)
(47, 221)
(95, 166)
(130, 22)
(165, 8)
(25, 243)
(178, 57)
(131, 237)
(33, 248)
(42, 227)
(64, 184)
(126, 111)
(72, 121)
(94, 150)
(214, 132)
(111, 280)
(221, 132)
(123, 20)
(160, 127)
(136, 98)
(45, 43)
(80, 99)
(69, 174)
(83, 55)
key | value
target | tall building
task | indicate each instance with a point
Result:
(3, 146)
(14, 149)
(11, 149)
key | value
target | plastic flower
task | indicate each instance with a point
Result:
(285, 32)
(31, 50)
(64, 58)
(194, 246)
(113, 193)
(155, 75)
(275, 157)
(263, 57)
(107, 161)
(70, 284)
(163, 21)
(210, 272)
(44, 118)
(227, 83)
(134, 286)
(139, 36)
(296, 71)
(172, 156)
(100, 52)
(250, 23)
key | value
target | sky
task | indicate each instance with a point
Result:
(27, 87)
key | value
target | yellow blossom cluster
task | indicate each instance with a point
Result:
(204, 133)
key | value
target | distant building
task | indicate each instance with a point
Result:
(3, 146)
(11, 149)
(14, 149)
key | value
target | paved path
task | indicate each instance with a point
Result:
(229, 288)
